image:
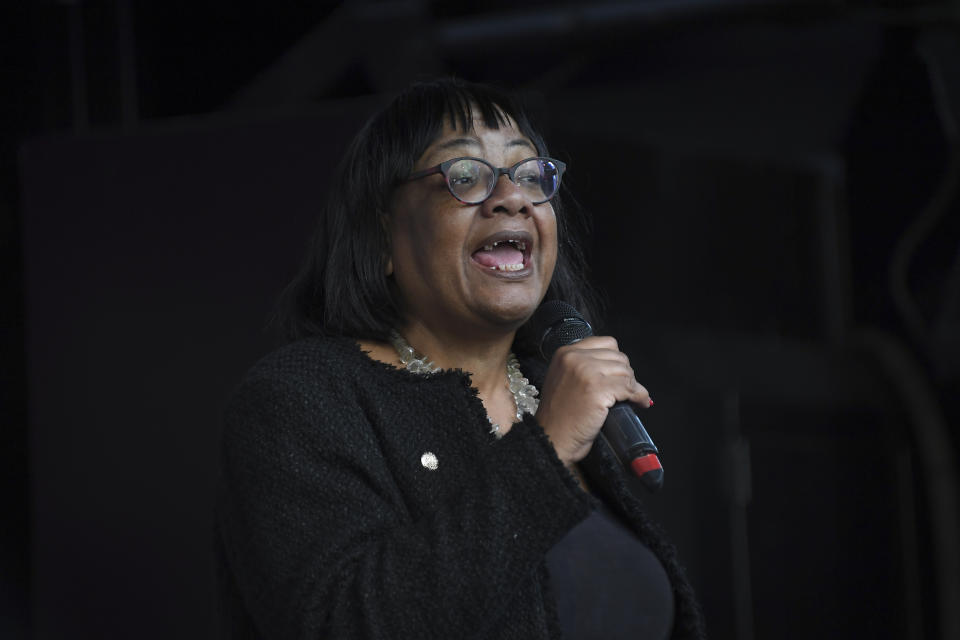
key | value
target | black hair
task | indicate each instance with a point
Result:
(341, 288)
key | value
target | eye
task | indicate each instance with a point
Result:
(463, 180)
(529, 173)
(528, 178)
(464, 173)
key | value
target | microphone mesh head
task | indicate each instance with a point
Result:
(559, 324)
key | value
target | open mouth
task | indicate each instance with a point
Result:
(505, 251)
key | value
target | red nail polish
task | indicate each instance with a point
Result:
(651, 402)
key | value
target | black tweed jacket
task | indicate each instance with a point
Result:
(362, 501)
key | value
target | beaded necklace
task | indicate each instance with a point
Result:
(524, 394)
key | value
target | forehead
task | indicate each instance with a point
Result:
(478, 139)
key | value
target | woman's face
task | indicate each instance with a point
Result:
(442, 262)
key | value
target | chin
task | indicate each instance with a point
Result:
(511, 313)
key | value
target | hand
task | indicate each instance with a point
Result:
(583, 381)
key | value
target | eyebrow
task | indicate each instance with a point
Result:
(471, 142)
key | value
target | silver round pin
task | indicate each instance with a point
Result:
(429, 460)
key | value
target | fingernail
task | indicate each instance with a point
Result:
(651, 402)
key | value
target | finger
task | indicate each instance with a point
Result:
(600, 342)
(614, 370)
(593, 342)
(640, 396)
(597, 353)
(623, 385)
(613, 384)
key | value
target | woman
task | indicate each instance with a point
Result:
(373, 492)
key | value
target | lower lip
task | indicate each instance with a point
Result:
(508, 275)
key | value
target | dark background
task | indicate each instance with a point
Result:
(774, 188)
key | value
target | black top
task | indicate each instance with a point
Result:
(608, 584)
(363, 501)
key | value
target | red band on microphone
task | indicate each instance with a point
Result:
(645, 464)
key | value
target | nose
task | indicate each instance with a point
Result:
(507, 198)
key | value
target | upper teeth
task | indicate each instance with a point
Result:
(522, 246)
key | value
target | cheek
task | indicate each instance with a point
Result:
(424, 247)
(550, 235)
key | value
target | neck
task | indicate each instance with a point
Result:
(484, 357)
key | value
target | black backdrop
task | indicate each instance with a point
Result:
(745, 209)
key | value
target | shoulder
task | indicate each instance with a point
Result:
(310, 358)
(294, 386)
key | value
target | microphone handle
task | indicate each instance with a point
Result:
(631, 443)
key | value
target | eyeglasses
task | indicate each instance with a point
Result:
(472, 180)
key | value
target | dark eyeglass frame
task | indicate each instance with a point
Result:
(510, 172)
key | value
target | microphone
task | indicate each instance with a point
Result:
(559, 324)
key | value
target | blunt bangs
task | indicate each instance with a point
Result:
(417, 116)
(341, 288)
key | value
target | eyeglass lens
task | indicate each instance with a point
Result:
(472, 181)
